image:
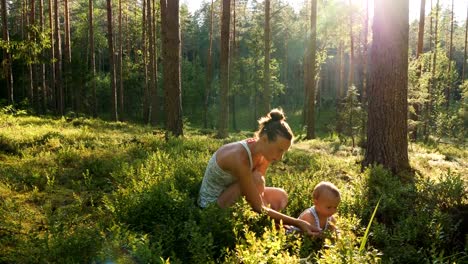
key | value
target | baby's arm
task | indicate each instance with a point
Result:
(309, 218)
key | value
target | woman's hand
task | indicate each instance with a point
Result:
(308, 228)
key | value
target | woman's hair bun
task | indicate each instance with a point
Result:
(276, 114)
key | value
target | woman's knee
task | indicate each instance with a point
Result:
(276, 197)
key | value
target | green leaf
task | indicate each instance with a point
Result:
(364, 239)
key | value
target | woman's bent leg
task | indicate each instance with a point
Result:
(229, 196)
(277, 198)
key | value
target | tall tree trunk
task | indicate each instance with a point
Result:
(58, 61)
(364, 72)
(32, 93)
(388, 94)
(433, 82)
(93, 56)
(43, 100)
(224, 71)
(144, 40)
(431, 27)
(351, 48)
(466, 44)
(154, 50)
(6, 55)
(151, 70)
(112, 61)
(286, 66)
(364, 56)
(449, 70)
(419, 50)
(171, 54)
(70, 94)
(120, 66)
(233, 57)
(312, 72)
(52, 81)
(266, 66)
(341, 73)
(209, 71)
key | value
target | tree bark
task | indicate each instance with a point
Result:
(364, 72)
(466, 44)
(70, 94)
(209, 71)
(43, 101)
(154, 50)
(171, 54)
(151, 71)
(224, 71)
(419, 50)
(388, 93)
(120, 66)
(232, 62)
(112, 61)
(351, 48)
(52, 81)
(58, 62)
(93, 57)
(32, 93)
(433, 82)
(7, 56)
(266, 63)
(144, 41)
(447, 88)
(312, 72)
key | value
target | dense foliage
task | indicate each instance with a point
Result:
(77, 190)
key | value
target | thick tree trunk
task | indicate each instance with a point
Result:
(93, 57)
(110, 42)
(224, 71)
(6, 55)
(388, 93)
(171, 54)
(209, 71)
(266, 63)
(312, 72)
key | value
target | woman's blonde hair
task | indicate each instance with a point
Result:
(273, 125)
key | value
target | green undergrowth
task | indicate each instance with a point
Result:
(89, 191)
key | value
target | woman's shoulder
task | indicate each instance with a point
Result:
(232, 154)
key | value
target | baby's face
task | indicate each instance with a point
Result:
(327, 204)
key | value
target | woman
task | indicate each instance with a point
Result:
(238, 169)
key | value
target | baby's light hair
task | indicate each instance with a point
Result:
(325, 186)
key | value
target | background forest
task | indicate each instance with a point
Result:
(103, 91)
(60, 66)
